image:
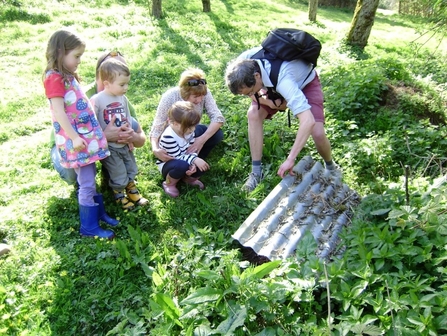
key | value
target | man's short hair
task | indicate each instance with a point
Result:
(240, 74)
(112, 68)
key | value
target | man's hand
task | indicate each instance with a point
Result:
(278, 105)
(286, 167)
(307, 122)
(274, 105)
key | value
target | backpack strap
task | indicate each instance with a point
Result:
(274, 72)
(275, 63)
(305, 79)
(275, 66)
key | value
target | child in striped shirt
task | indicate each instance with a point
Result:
(176, 139)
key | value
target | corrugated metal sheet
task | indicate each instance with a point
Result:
(314, 199)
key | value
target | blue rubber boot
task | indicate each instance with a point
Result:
(102, 215)
(90, 223)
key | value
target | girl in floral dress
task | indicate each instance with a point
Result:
(79, 138)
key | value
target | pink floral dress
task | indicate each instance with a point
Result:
(82, 118)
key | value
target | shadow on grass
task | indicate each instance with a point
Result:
(101, 283)
(95, 281)
(18, 14)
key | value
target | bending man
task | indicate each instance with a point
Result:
(301, 89)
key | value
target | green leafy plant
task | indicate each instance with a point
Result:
(174, 268)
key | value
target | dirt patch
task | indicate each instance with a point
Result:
(400, 94)
(391, 96)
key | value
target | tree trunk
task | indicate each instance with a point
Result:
(156, 8)
(206, 5)
(313, 6)
(362, 23)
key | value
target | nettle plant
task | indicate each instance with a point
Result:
(205, 289)
(353, 91)
(395, 267)
(391, 280)
(389, 117)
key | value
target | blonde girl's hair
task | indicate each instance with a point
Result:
(107, 55)
(112, 68)
(62, 42)
(197, 78)
(183, 112)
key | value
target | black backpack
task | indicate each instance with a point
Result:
(287, 44)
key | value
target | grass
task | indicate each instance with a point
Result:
(54, 282)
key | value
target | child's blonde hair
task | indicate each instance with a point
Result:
(195, 76)
(183, 112)
(112, 68)
(61, 42)
(107, 55)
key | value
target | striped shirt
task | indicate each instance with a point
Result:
(176, 146)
